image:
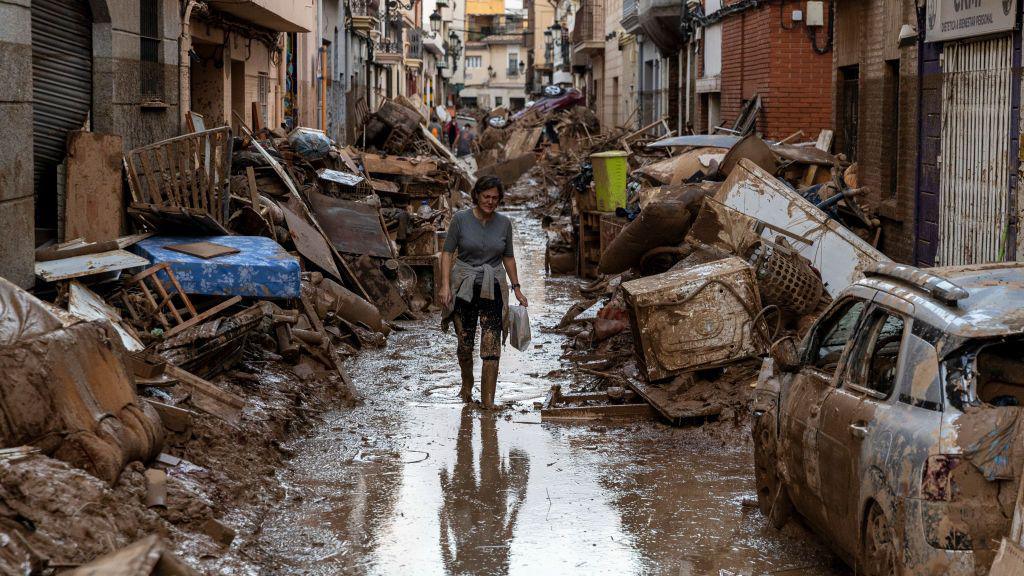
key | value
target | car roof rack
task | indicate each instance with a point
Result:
(937, 286)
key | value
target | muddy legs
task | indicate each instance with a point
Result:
(488, 383)
(466, 392)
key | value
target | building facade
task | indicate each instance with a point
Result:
(137, 69)
(495, 62)
(776, 53)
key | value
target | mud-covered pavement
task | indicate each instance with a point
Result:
(413, 482)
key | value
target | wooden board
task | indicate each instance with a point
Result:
(353, 227)
(88, 265)
(94, 208)
(205, 250)
(592, 405)
(824, 143)
(398, 166)
(310, 243)
(208, 397)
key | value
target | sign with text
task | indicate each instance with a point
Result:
(952, 19)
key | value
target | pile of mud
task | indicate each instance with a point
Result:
(56, 516)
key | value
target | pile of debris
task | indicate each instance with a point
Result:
(706, 258)
(256, 263)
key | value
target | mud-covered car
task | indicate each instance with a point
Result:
(892, 427)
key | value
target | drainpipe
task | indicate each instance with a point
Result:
(184, 62)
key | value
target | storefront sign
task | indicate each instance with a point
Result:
(952, 19)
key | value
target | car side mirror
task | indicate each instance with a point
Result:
(785, 354)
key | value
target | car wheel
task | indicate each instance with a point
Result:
(879, 544)
(772, 498)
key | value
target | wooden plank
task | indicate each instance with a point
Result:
(133, 179)
(94, 206)
(824, 143)
(153, 194)
(204, 249)
(203, 316)
(194, 169)
(310, 244)
(209, 397)
(598, 411)
(254, 195)
(87, 265)
(173, 418)
(256, 116)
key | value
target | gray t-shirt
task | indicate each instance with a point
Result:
(478, 243)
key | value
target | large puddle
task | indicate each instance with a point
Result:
(413, 482)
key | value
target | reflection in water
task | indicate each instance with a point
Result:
(478, 512)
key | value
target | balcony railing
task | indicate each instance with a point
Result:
(364, 8)
(387, 51)
(512, 28)
(589, 25)
(414, 47)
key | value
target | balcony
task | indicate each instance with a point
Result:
(588, 29)
(276, 15)
(364, 15)
(387, 52)
(630, 16)
(659, 20)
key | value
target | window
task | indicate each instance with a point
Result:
(263, 89)
(474, 62)
(921, 385)
(513, 63)
(891, 128)
(497, 100)
(876, 353)
(151, 80)
(832, 335)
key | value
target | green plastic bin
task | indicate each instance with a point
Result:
(610, 171)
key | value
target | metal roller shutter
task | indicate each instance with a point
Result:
(974, 188)
(61, 90)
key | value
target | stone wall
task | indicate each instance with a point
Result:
(17, 215)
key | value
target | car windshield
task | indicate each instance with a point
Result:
(987, 373)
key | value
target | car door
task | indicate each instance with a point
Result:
(802, 402)
(854, 435)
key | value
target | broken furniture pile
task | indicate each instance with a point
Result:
(715, 253)
(250, 256)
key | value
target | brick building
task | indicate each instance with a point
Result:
(876, 112)
(933, 123)
(766, 50)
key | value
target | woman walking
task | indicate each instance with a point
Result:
(476, 258)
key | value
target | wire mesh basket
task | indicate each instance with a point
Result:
(784, 278)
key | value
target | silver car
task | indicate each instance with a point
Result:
(892, 427)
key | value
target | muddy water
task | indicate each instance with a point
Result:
(413, 482)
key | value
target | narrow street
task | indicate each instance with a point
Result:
(413, 482)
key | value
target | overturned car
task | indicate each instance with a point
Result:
(894, 427)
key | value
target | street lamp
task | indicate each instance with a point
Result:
(435, 23)
(522, 67)
(490, 71)
(441, 4)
